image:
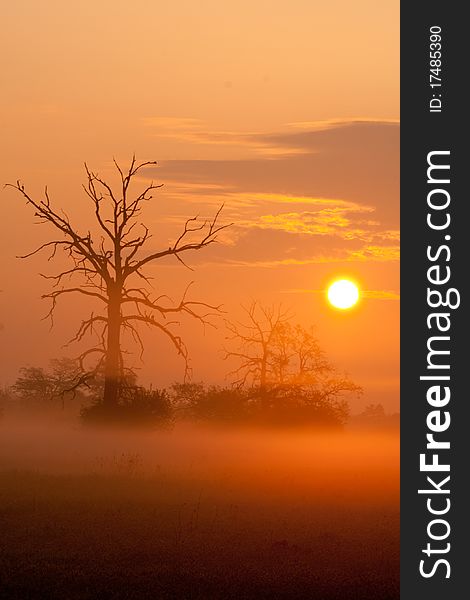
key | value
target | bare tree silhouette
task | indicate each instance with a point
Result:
(110, 267)
(255, 340)
(281, 359)
(297, 357)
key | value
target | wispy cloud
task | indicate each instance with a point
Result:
(336, 200)
(195, 131)
(369, 294)
(376, 253)
(380, 295)
(321, 125)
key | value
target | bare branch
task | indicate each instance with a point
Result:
(212, 229)
(103, 264)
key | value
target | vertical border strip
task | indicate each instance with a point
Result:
(434, 401)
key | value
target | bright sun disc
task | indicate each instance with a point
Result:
(343, 294)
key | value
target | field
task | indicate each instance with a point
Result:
(197, 513)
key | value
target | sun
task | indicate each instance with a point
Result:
(343, 294)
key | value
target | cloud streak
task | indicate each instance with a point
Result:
(369, 294)
(334, 199)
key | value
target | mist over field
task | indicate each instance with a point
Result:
(197, 512)
(302, 455)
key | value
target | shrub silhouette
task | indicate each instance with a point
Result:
(289, 405)
(137, 406)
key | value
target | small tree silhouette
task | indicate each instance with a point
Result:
(284, 363)
(296, 356)
(255, 340)
(110, 267)
(37, 383)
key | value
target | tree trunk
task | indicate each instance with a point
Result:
(112, 364)
(263, 369)
(263, 392)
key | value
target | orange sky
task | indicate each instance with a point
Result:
(286, 111)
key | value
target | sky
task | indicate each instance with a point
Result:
(285, 112)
